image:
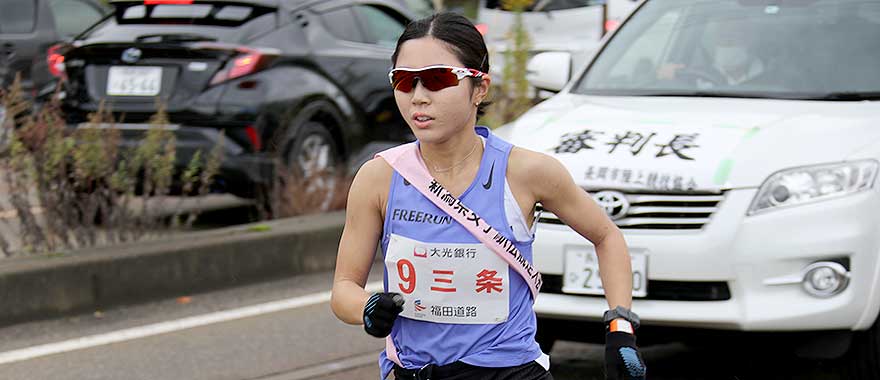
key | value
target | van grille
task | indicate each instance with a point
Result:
(660, 211)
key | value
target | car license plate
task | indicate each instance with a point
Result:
(134, 81)
(581, 274)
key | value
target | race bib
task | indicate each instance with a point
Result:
(448, 283)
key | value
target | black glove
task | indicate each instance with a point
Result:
(380, 312)
(622, 358)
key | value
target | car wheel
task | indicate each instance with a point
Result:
(311, 171)
(863, 359)
(545, 336)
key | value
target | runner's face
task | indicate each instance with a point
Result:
(434, 116)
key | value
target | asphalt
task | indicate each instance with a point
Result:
(36, 288)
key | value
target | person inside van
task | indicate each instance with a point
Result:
(732, 59)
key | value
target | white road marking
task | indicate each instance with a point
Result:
(170, 326)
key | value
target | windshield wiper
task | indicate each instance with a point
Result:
(849, 96)
(175, 37)
(711, 94)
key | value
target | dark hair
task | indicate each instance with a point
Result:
(459, 33)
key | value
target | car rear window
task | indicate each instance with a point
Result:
(74, 16)
(341, 23)
(219, 14)
(18, 16)
(422, 8)
(223, 22)
(382, 27)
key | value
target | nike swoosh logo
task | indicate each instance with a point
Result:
(488, 184)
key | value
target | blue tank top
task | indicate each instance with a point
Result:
(411, 215)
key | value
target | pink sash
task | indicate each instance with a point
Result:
(407, 161)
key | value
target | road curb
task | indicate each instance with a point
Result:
(85, 280)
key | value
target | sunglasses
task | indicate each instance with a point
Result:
(434, 78)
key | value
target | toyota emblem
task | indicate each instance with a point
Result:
(131, 55)
(613, 202)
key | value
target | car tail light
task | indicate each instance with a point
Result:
(55, 61)
(249, 62)
(254, 137)
(611, 25)
(482, 28)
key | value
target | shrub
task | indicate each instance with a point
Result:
(71, 188)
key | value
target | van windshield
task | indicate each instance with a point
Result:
(790, 49)
(548, 5)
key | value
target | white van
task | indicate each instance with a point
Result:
(736, 143)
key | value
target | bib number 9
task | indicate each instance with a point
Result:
(408, 279)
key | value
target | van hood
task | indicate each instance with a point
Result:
(691, 144)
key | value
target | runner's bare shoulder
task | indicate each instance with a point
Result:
(373, 180)
(528, 166)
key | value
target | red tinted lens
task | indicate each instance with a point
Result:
(434, 79)
(403, 80)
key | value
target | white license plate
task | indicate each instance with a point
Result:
(134, 81)
(581, 274)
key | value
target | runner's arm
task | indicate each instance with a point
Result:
(360, 237)
(554, 187)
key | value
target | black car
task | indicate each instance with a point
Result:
(303, 81)
(29, 30)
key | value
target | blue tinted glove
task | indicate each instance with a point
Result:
(380, 312)
(622, 358)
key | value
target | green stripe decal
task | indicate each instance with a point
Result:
(727, 164)
(723, 171)
(751, 133)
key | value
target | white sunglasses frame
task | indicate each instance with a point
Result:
(459, 72)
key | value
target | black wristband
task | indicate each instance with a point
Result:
(621, 312)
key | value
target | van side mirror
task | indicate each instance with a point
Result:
(549, 70)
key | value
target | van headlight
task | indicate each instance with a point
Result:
(808, 184)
